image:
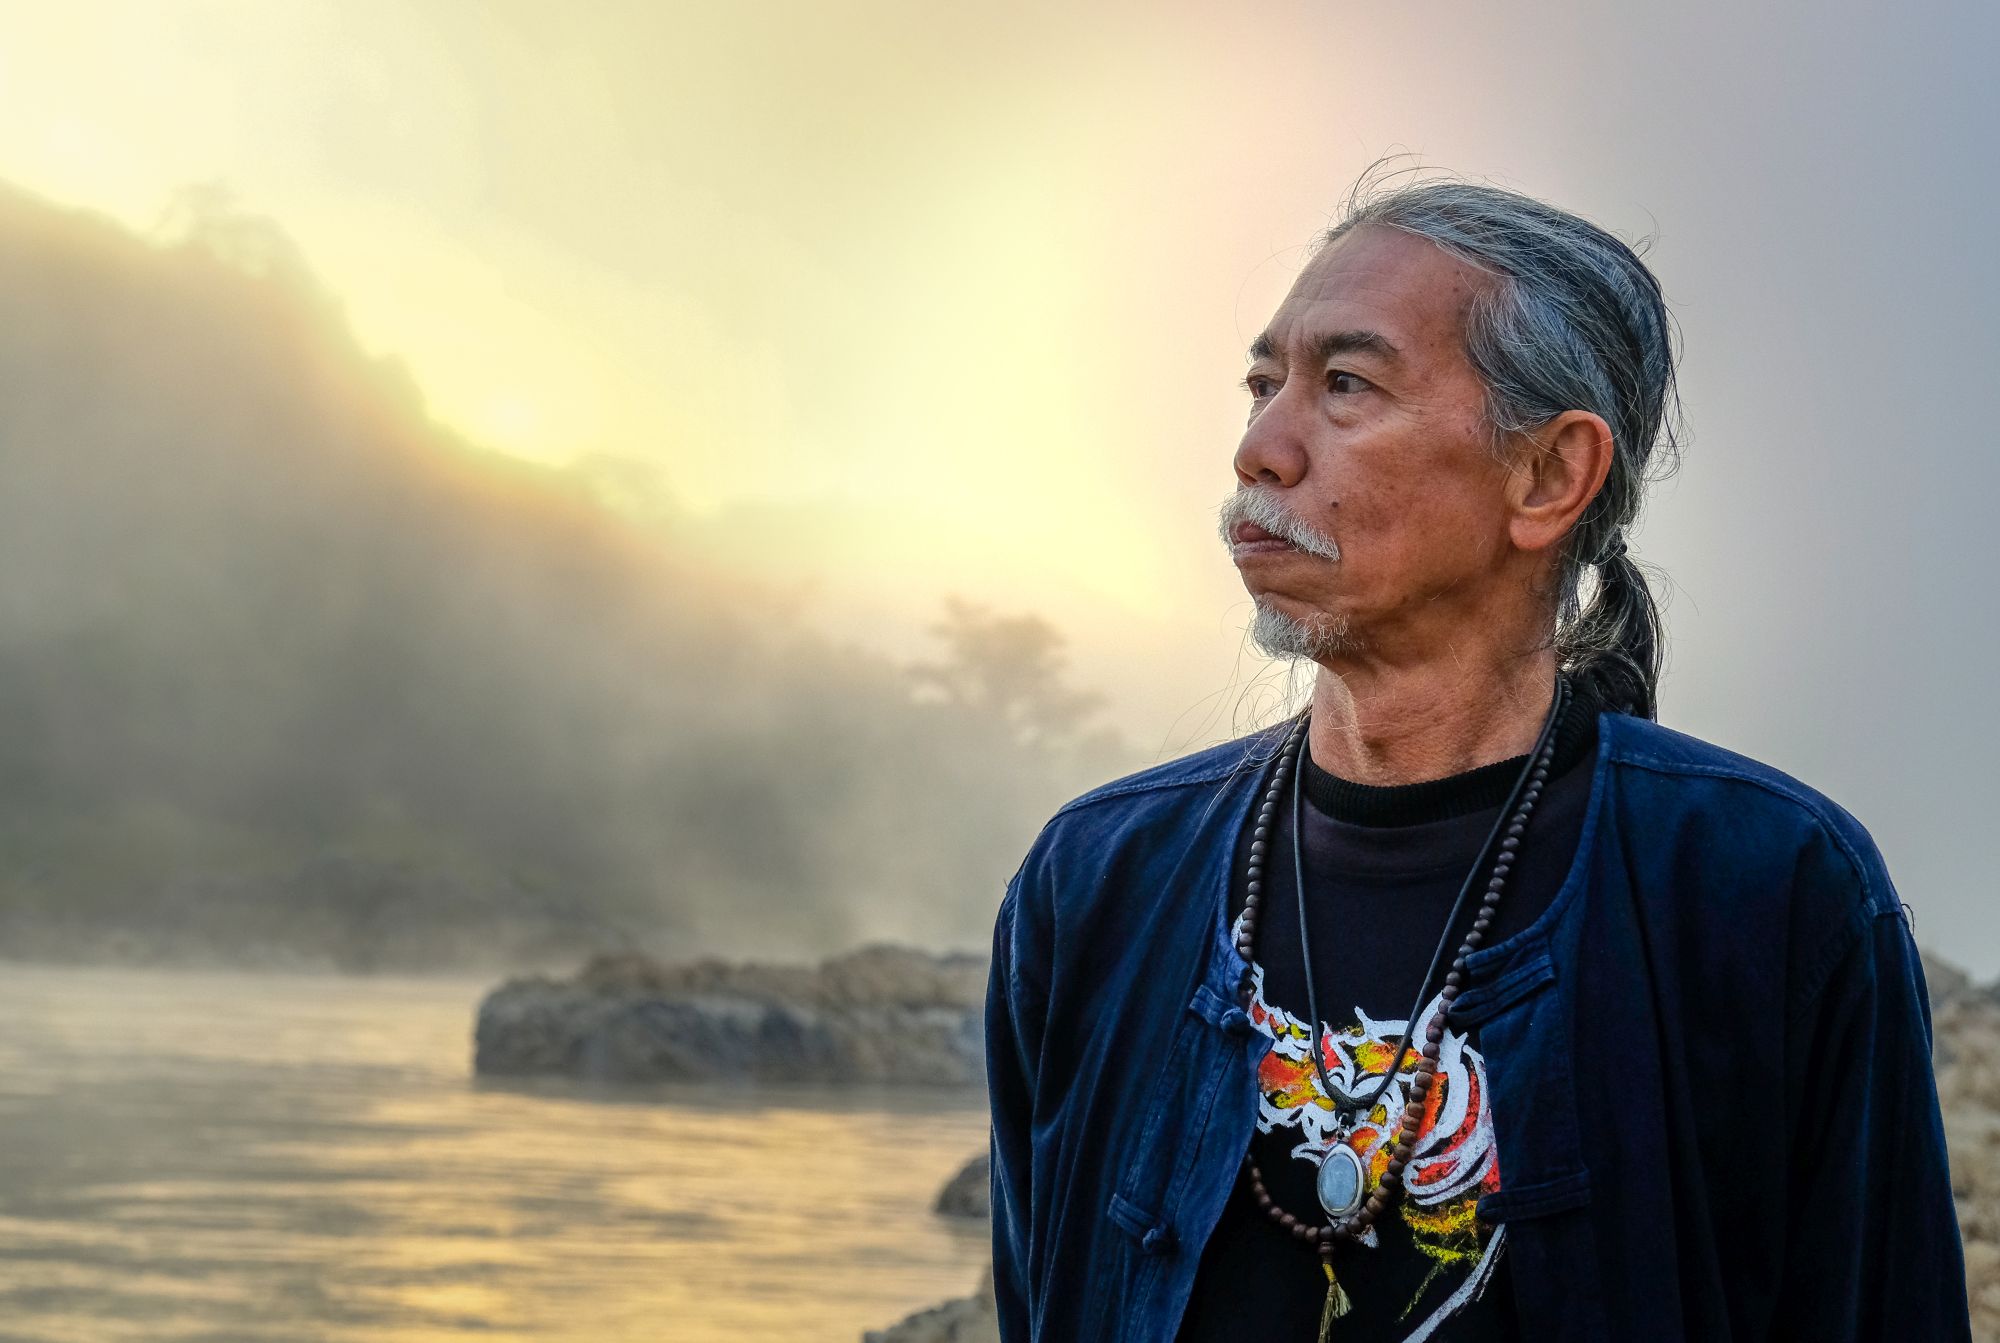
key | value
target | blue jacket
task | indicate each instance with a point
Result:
(1708, 1062)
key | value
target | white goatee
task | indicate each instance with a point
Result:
(1274, 632)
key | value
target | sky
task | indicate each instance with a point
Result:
(884, 302)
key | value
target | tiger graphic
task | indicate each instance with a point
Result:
(1452, 1163)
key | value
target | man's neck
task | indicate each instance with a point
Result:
(1386, 726)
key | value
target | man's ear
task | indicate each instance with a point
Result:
(1559, 468)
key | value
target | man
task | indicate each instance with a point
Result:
(1469, 1003)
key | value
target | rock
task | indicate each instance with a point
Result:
(966, 1319)
(1965, 1021)
(880, 1015)
(1946, 982)
(891, 976)
(535, 1025)
(880, 975)
(968, 1193)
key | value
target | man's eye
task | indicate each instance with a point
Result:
(1260, 387)
(1346, 384)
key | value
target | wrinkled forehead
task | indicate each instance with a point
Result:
(1383, 280)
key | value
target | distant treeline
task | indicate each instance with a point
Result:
(287, 673)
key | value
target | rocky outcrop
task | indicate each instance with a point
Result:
(1965, 1020)
(968, 1193)
(965, 1319)
(879, 1015)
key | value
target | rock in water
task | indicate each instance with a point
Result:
(880, 1015)
(966, 1319)
(968, 1193)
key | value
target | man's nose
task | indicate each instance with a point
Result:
(1273, 450)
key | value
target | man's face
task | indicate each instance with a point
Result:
(1367, 430)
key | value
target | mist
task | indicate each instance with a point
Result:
(292, 675)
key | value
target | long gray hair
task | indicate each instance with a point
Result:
(1575, 321)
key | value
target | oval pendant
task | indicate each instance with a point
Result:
(1341, 1180)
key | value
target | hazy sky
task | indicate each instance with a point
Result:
(894, 300)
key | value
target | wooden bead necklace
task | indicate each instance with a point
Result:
(1342, 1180)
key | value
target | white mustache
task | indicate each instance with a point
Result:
(1253, 505)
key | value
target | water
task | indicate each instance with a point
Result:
(236, 1157)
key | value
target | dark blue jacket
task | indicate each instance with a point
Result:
(1708, 1060)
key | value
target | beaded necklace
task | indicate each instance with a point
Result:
(1343, 1179)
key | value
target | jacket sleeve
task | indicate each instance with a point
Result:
(1872, 1249)
(1013, 1045)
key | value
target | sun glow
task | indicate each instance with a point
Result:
(883, 324)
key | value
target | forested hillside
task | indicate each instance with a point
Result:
(288, 673)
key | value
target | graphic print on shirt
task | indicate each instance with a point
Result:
(1452, 1164)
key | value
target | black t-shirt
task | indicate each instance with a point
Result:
(1384, 866)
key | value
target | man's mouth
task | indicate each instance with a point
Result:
(1249, 537)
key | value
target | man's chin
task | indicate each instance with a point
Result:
(1310, 638)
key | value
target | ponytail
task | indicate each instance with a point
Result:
(1614, 642)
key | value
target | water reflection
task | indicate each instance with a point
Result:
(274, 1158)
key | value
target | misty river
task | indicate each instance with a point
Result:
(270, 1157)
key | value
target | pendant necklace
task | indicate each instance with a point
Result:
(1342, 1183)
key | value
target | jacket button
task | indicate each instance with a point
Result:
(1236, 1021)
(1159, 1240)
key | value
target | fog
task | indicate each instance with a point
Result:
(290, 675)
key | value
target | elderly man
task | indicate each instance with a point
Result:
(1467, 1003)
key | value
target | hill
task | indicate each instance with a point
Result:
(292, 674)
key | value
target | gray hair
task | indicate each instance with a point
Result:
(1575, 321)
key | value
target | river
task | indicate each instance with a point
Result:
(239, 1157)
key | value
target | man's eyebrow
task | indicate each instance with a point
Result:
(1332, 345)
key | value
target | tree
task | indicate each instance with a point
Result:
(208, 217)
(1009, 668)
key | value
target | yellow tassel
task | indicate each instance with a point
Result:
(1337, 1303)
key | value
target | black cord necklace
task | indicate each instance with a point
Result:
(1343, 1178)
